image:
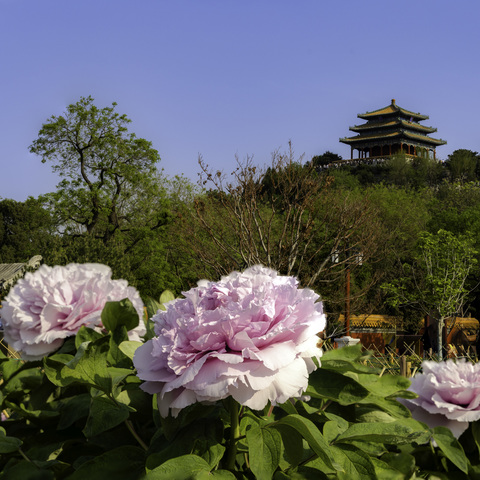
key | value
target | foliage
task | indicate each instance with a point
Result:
(463, 165)
(437, 283)
(26, 229)
(319, 161)
(112, 205)
(285, 216)
(106, 171)
(80, 414)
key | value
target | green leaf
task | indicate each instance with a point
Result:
(313, 436)
(8, 444)
(104, 415)
(385, 386)
(293, 446)
(264, 450)
(128, 348)
(202, 438)
(86, 334)
(26, 471)
(475, 429)
(115, 355)
(399, 432)
(215, 475)
(342, 423)
(73, 409)
(351, 354)
(356, 465)
(152, 306)
(451, 448)
(401, 462)
(125, 463)
(384, 471)
(89, 367)
(32, 415)
(53, 367)
(186, 467)
(115, 314)
(213, 455)
(166, 296)
(327, 384)
(331, 430)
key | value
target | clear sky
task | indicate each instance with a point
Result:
(226, 77)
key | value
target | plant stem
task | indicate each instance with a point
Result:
(234, 434)
(129, 425)
(25, 457)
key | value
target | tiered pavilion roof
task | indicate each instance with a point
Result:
(392, 130)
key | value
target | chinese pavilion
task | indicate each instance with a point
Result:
(389, 131)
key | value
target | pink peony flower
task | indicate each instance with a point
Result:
(251, 336)
(52, 303)
(448, 395)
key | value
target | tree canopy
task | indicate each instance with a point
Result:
(106, 170)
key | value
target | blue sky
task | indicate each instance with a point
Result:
(222, 78)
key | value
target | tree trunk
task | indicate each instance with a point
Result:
(440, 324)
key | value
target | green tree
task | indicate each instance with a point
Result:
(108, 174)
(463, 165)
(26, 229)
(319, 161)
(112, 204)
(437, 281)
(285, 216)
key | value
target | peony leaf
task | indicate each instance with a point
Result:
(73, 409)
(152, 306)
(86, 334)
(104, 415)
(128, 348)
(115, 355)
(384, 471)
(126, 463)
(214, 454)
(356, 464)
(8, 444)
(402, 431)
(33, 415)
(384, 386)
(475, 428)
(264, 450)
(26, 470)
(293, 446)
(166, 296)
(202, 438)
(115, 314)
(181, 468)
(331, 430)
(308, 430)
(451, 447)
(402, 462)
(215, 475)
(331, 385)
(351, 354)
(344, 366)
(89, 366)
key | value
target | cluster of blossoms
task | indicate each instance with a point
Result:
(448, 395)
(251, 336)
(52, 303)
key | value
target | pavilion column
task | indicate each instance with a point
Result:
(351, 152)
(434, 154)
